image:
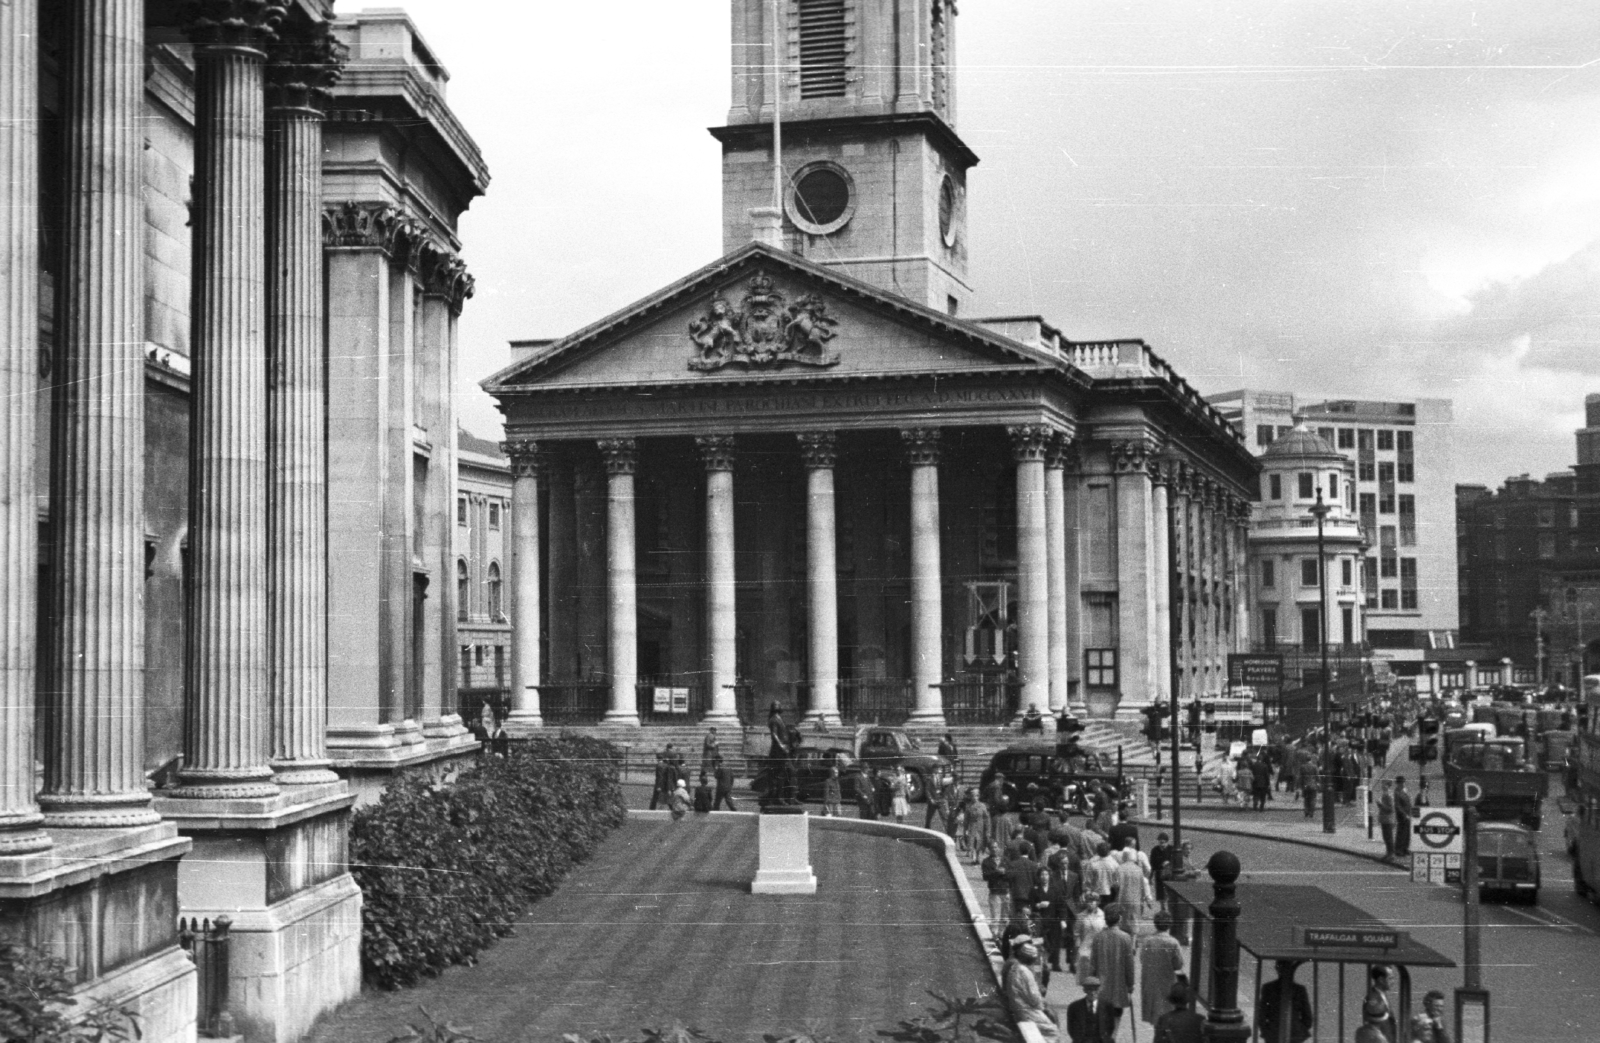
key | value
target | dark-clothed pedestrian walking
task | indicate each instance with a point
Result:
(724, 793)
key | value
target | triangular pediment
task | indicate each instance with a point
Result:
(759, 314)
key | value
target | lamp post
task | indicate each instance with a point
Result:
(1320, 511)
(1539, 616)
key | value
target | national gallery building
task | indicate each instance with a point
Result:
(802, 475)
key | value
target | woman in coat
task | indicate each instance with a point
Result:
(1160, 963)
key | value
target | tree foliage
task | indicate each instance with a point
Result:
(445, 870)
(36, 1000)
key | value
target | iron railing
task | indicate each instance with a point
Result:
(207, 942)
(981, 700)
(574, 702)
(699, 703)
(881, 701)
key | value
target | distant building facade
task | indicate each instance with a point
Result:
(1530, 565)
(1404, 500)
(482, 575)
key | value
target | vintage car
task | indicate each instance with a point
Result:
(1063, 779)
(1508, 861)
(812, 764)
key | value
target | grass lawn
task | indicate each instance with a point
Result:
(660, 927)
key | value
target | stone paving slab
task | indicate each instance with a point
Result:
(660, 926)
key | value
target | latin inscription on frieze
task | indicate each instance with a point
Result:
(784, 402)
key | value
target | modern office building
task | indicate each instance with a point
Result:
(1404, 489)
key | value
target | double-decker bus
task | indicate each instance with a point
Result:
(1586, 794)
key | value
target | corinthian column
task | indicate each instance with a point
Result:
(525, 619)
(1055, 526)
(94, 748)
(1029, 445)
(19, 378)
(227, 732)
(716, 452)
(1136, 591)
(621, 456)
(822, 585)
(927, 577)
(302, 70)
(1161, 474)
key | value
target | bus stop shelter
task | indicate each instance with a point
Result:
(1302, 924)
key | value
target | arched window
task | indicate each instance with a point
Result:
(462, 590)
(495, 611)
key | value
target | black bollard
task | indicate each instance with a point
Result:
(1225, 1023)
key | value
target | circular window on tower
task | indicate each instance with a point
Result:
(947, 210)
(822, 197)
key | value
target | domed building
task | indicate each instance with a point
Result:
(1299, 471)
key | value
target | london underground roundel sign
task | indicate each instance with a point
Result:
(1439, 830)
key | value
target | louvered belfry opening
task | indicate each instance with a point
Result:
(822, 48)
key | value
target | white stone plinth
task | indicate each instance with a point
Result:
(784, 863)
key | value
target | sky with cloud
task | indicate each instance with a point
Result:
(1374, 198)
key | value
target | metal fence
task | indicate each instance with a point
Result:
(207, 943)
(883, 701)
(577, 702)
(981, 700)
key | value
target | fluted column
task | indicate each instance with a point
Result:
(1055, 521)
(1161, 566)
(525, 615)
(94, 748)
(621, 456)
(927, 577)
(1029, 443)
(19, 378)
(301, 72)
(822, 584)
(1136, 593)
(1242, 590)
(722, 635)
(1178, 496)
(227, 732)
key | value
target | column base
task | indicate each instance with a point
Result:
(926, 719)
(409, 732)
(304, 773)
(98, 811)
(620, 719)
(445, 726)
(721, 718)
(280, 875)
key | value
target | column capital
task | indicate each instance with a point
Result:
(444, 274)
(922, 446)
(1030, 442)
(818, 448)
(716, 451)
(304, 62)
(242, 25)
(527, 456)
(621, 454)
(1133, 456)
(1062, 452)
(370, 225)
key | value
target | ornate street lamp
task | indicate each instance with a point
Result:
(1320, 511)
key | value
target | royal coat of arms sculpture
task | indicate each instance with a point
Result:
(762, 331)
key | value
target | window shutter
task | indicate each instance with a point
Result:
(822, 48)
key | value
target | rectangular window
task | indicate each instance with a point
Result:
(1347, 625)
(1365, 471)
(1364, 439)
(1386, 473)
(478, 654)
(1347, 438)
(461, 510)
(1264, 435)
(1386, 440)
(1347, 570)
(1408, 520)
(1402, 441)
(823, 46)
(494, 514)
(1269, 627)
(1275, 486)
(1388, 567)
(466, 666)
(1406, 471)
(1308, 572)
(1308, 484)
(1386, 503)
(1269, 573)
(1310, 628)
(1333, 487)
(1369, 506)
(1408, 571)
(1369, 579)
(1408, 599)
(1100, 667)
(1390, 599)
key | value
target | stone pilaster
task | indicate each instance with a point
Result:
(621, 457)
(302, 69)
(19, 380)
(94, 748)
(1030, 444)
(227, 731)
(722, 637)
(526, 464)
(927, 577)
(822, 583)
(1055, 516)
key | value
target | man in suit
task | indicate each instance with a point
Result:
(1402, 819)
(1269, 1010)
(1429, 1026)
(1111, 960)
(1089, 1020)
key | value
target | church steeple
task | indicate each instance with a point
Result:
(874, 174)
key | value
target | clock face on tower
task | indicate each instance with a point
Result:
(947, 210)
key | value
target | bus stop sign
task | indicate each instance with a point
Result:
(1440, 840)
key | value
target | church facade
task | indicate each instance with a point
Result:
(803, 475)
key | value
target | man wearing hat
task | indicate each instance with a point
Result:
(1090, 1020)
(1180, 1024)
(1023, 993)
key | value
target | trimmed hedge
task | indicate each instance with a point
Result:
(445, 870)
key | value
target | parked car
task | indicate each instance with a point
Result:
(1045, 767)
(1508, 861)
(812, 764)
(884, 748)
